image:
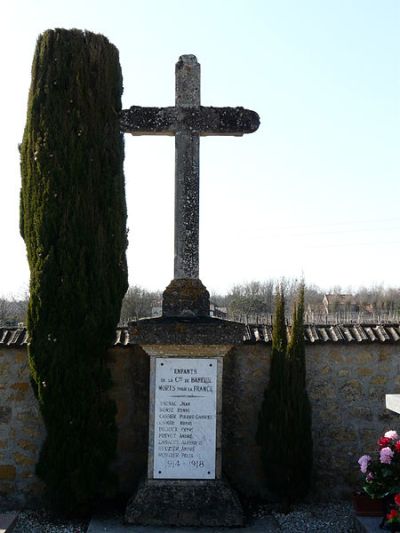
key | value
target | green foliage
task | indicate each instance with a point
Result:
(300, 407)
(73, 221)
(284, 426)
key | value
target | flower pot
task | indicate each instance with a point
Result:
(363, 505)
(394, 528)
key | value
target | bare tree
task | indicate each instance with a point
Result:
(13, 311)
(138, 303)
(253, 302)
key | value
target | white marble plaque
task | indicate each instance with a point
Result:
(185, 418)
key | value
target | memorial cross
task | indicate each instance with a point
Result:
(187, 121)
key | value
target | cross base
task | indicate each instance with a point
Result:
(181, 503)
(186, 298)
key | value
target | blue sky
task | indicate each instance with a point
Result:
(314, 191)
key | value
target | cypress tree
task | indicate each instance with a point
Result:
(301, 458)
(73, 221)
(272, 432)
(284, 425)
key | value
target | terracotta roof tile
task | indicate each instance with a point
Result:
(313, 334)
(16, 337)
(13, 337)
(339, 333)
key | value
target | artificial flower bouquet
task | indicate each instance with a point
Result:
(382, 473)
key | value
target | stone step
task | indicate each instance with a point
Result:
(7, 521)
(116, 525)
(367, 524)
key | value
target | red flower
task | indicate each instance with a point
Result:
(397, 446)
(393, 514)
(384, 441)
(397, 499)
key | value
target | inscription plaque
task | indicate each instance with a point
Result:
(185, 418)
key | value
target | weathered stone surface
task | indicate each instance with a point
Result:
(7, 472)
(175, 331)
(20, 391)
(21, 356)
(352, 390)
(364, 371)
(186, 298)
(246, 373)
(379, 380)
(180, 503)
(23, 460)
(187, 82)
(199, 120)
(21, 386)
(130, 368)
(341, 410)
(26, 445)
(187, 121)
(18, 435)
(5, 414)
(7, 489)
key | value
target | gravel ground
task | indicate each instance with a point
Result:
(43, 522)
(335, 518)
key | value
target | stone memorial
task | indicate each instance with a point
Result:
(184, 418)
(184, 485)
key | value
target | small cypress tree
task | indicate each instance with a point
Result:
(301, 458)
(284, 426)
(272, 432)
(73, 221)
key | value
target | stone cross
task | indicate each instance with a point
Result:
(187, 121)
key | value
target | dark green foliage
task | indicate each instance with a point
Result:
(284, 427)
(300, 407)
(73, 221)
(272, 434)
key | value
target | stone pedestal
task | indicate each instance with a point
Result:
(185, 503)
(184, 484)
(186, 298)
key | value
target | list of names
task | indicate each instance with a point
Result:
(185, 418)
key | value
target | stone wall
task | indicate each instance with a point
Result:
(21, 430)
(347, 384)
(130, 370)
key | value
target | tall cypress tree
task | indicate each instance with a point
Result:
(73, 221)
(284, 426)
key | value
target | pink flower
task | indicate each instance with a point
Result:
(369, 477)
(363, 462)
(385, 455)
(391, 435)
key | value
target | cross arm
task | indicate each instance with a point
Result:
(197, 120)
(222, 121)
(139, 120)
